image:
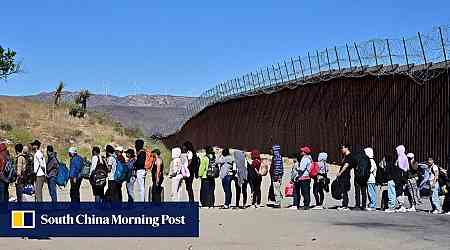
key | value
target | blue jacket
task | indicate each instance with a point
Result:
(277, 163)
(76, 165)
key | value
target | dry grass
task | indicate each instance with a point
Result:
(22, 121)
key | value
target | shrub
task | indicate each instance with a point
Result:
(133, 132)
(20, 135)
(5, 126)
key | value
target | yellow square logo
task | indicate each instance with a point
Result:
(22, 219)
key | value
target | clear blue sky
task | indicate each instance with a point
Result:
(184, 47)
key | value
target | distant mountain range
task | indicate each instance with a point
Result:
(154, 114)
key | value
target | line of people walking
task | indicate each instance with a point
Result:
(29, 170)
(395, 177)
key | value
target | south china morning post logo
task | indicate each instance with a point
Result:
(94, 220)
(23, 219)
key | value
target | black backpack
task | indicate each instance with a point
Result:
(28, 175)
(336, 189)
(195, 164)
(362, 169)
(213, 170)
(100, 174)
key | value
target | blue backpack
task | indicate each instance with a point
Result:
(63, 175)
(121, 171)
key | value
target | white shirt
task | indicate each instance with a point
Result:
(93, 163)
(190, 155)
(435, 170)
(39, 163)
(112, 164)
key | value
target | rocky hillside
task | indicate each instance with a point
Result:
(155, 101)
(153, 114)
(23, 120)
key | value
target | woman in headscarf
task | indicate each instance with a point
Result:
(403, 164)
(371, 183)
(240, 178)
(176, 174)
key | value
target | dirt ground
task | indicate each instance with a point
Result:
(267, 228)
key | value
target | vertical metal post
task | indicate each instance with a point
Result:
(349, 58)
(245, 84)
(328, 59)
(268, 76)
(375, 52)
(421, 46)
(301, 67)
(281, 73)
(287, 71)
(389, 50)
(357, 52)
(443, 45)
(293, 68)
(318, 62)
(274, 74)
(310, 65)
(253, 81)
(406, 53)
(263, 80)
(337, 58)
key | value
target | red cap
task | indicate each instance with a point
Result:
(305, 149)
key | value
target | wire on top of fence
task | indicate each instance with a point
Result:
(377, 56)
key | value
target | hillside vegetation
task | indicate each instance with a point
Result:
(23, 120)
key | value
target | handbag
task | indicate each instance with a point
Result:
(289, 189)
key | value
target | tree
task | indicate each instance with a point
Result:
(8, 64)
(58, 92)
(83, 97)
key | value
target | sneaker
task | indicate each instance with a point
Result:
(293, 207)
(437, 211)
(370, 209)
(343, 209)
(448, 213)
(270, 203)
(226, 207)
(401, 210)
(411, 209)
(317, 208)
(389, 210)
(276, 206)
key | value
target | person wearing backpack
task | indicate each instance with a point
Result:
(4, 158)
(139, 166)
(208, 182)
(371, 183)
(226, 162)
(131, 176)
(321, 181)
(413, 178)
(193, 166)
(52, 171)
(76, 165)
(303, 185)
(157, 177)
(361, 176)
(98, 175)
(434, 182)
(39, 169)
(253, 171)
(21, 166)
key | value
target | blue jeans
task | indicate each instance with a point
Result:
(226, 184)
(392, 195)
(4, 195)
(51, 182)
(372, 189)
(435, 200)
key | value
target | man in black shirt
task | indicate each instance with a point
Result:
(348, 163)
